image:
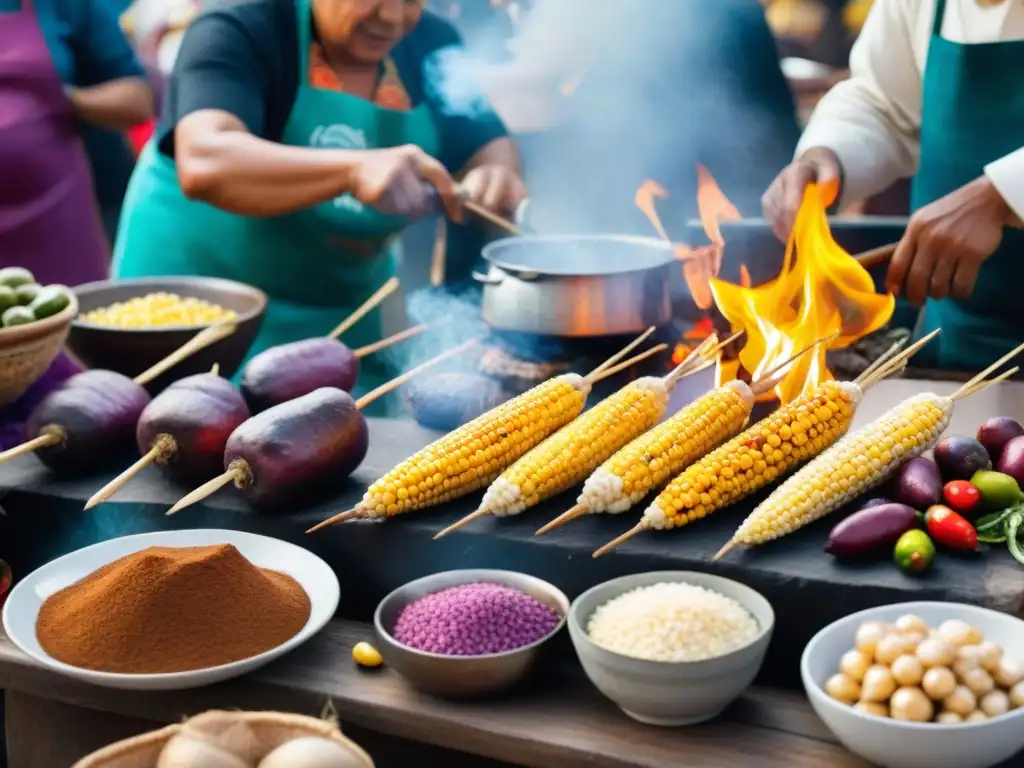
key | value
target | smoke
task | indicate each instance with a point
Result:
(452, 319)
(661, 86)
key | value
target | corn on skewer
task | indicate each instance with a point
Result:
(471, 456)
(856, 464)
(663, 452)
(778, 443)
(570, 454)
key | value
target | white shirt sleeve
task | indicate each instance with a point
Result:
(872, 120)
(1007, 175)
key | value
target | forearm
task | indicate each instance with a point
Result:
(238, 172)
(116, 104)
(501, 152)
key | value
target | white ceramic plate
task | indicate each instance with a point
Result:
(22, 607)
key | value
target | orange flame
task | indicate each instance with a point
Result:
(714, 207)
(820, 290)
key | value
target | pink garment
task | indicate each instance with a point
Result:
(49, 221)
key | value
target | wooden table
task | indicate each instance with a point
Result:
(558, 721)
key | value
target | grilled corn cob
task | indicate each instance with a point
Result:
(753, 459)
(666, 450)
(860, 461)
(473, 455)
(572, 453)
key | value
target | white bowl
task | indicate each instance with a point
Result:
(22, 607)
(670, 693)
(898, 744)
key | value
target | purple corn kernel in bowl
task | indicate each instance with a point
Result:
(474, 620)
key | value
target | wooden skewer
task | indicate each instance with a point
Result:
(459, 523)
(609, 372)
(620, 540)
(341, 517)
(398, 381)
(215, 370)
(976, 379)
(363, 309)
(991, 382)
(620, 354)
(729, 547)
(881, 360)
(408, 333)
(437, 259)
(43, 441)
(701, 351)
(875, 256)
(239, 474)
(498, 221)
(578, 511)
(771, 379)
(160, 448)
(236, 475)
(891, 365)
(201, 340)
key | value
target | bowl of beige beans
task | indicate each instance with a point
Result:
(921, 685)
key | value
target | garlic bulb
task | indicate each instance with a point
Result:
(854, 664)
(311, 752)
(994, 703)
(936, 652)
(842, 688)
(879, 684)
(868, 635)
(911, 704)
(956, 631)
(183, 751)
(907, 670)
(962, 701)
(911, 623)
(939, 683)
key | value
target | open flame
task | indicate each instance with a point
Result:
(702, 264)
(821, 290)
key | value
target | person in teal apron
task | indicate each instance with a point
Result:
(299, 140)
(959, 242)
(959, 123)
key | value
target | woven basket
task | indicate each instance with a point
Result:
(26, 351)
(272, 729)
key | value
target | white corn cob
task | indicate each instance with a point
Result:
(856, 464)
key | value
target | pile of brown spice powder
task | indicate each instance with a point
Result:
(172, 609)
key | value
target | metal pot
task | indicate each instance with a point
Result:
(577, 285)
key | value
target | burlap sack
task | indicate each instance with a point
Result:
(270, 728)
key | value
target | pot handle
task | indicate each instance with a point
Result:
(486, 279)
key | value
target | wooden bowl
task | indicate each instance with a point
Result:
(26, 351)
(131, 351)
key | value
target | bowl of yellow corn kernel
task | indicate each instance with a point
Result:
(129, 325)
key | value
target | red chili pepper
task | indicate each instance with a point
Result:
(950, 529)
(961, 496)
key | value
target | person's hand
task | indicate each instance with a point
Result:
(495, 187)
(947, 241)
(783, 198)
(405, 181)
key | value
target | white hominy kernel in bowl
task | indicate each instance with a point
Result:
(672, 621)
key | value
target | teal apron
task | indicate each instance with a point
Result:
(316, 264)
(973, 114)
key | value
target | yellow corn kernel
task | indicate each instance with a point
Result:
(365, 655)
(156, 310)
(651, 459)
(472, 456)
(572, 453)
(856, 464)
(755, 456)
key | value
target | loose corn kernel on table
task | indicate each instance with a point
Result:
(805, 586)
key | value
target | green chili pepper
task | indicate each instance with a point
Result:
(1012, 531)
